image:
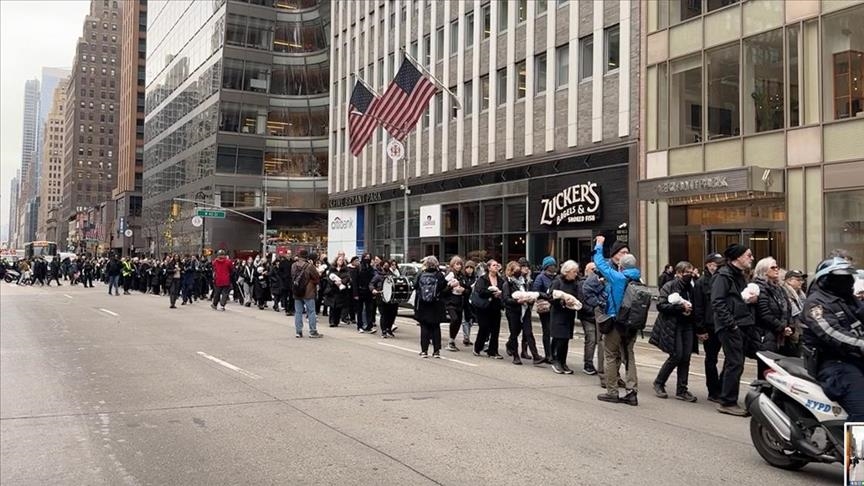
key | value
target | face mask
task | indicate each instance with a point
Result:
(687, 279)
(840, 285)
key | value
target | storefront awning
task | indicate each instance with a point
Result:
(739, 184)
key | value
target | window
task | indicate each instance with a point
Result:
(540, 6)
(501, 86)
(454, 37)
(469, 29)
(540, 73)
(612, 48)
(681, 10)
(521, 80)
(484, 93)
(842, 64)
(586, 57)
(721, 72)
(468, 98)
(439, 44)
(522, 10)
(562, 65)
(843, 212)
(487, 20)
(763, 72)
(715, 4)
(439, 109)
(794, 82)
(685, 101)
(502, 15)
(427, 49)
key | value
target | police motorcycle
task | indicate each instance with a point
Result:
(793, 422)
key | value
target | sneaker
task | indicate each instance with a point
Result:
(567, 370)
(213, 306)
(475, 353)
(517, 360)
(436, 355)
(222, 308)
(589, 369)
(630, 399)
(390, 333)
(452, 347)
(423, 355)
(384, 335)
(539, 361)
(496, 356)
(298, 335)
(686, 396)
(608, 397)
(361, 331)
(525, 356)
(714, 400)
(660, 391)
(557, 368)
(372, 329)
(467, 342)
(173, 307)
(733, 409)
(315, 335)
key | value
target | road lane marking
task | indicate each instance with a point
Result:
(442, 357)
(67, 296)
(229, 366)
(109, 312)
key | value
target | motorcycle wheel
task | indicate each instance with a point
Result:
(771, 449)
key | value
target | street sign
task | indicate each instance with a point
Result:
(395, 150)
(128, 233)
(210, 213)
(197, 221)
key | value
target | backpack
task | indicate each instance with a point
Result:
(298, 284)
(633, 314)
(427, 288)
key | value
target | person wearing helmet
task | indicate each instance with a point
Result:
(834, 336)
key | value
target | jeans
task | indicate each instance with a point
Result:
(590, 329)
(712, 377)
(113, 282)
(679, 359)
(732, 341)
(309, 305)
(615, 347)
(844, 383)
(220, 295)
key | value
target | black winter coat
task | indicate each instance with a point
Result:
(729, 307)
(481, 285)
(702, 311)
(431, 312)
(772, 313)
(334, 297)
(512, 308)
(671, 316)
(561, 319)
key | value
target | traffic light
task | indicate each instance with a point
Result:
(175, 209)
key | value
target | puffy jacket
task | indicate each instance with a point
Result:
(431, 312)
(772, 312)
(593, 295)
(702, 311)
(616, 281)
(222, 267)
(729, 307)
(671, 316)
(833, 329)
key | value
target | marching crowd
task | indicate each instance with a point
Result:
(727, 305)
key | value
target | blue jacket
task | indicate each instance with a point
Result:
(616, 281)
(542, 282)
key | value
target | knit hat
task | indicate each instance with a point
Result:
(617, 246)
(627, 261)
(714, 258)
(734, 251)
(549, 261)
(523, 262)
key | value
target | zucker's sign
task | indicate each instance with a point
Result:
(579, 203)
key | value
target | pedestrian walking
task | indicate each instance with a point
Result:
(277, 286)
(468, 315)
(338, 292)
(454, 300)
(222, 268)
(113, 269)
(562, 320)
(486, 300)
(548, 272)
(733, 316)
(54, 271)
(704, 321)
(517, 309)
(304, 282)
(429, 290)
(382, 289)
(673, 331)
(586, 316)
(363, 297)
(174, 273)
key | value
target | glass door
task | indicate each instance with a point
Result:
(765, 243)
(717, 241)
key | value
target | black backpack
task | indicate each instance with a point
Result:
(298, 283)
(427, 287)
(633, 314)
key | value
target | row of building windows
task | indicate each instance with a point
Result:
(277, 79)
(274, 121)
(283, 37)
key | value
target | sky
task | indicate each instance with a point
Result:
(33, 34)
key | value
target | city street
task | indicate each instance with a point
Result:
(99, 389)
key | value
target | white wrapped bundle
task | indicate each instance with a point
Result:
(321, 269)
(528, 297)
(570, 301)
(675, 298)
(337, 281)
(494, 289)
(752, 290)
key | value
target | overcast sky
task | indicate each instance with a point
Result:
(33, 34)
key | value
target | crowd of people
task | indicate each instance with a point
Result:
(729, 305)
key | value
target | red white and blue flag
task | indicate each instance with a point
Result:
(361, 118)
(404, 101)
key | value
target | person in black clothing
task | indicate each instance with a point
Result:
(87, 273)
(363, 296)
(337, 291)
(388, 308)
(673, 331)
(54, 272)
(703, 316)
(174, 271)
(833, 335)
(773, 317)
(732, 318)
(113, 271)
(468, 317)
(453, 302)
(667, 276)
(562, 320)
(487, 306)
(541, 284)
(277, 284)
(351, 316)
(430, 313)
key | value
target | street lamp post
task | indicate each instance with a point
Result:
(203, 197)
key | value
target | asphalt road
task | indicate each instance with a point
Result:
(97, 389)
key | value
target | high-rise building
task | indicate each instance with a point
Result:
(27, 197)
(130, 165)
(752, 131)
(537, 160)
(12, 229)
(53, 140)
(237, 117)
(90, 161)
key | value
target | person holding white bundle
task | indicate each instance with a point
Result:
(562, 297)
(673, 331)
(517, 308)
(454, 301)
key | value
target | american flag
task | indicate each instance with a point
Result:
(405, 100)
(361, 119)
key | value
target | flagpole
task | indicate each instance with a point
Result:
(405, 194)
(425, 71)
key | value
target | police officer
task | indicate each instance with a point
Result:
(834, 336)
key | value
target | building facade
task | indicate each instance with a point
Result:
(754, 113)
(236, 117)
(13, 211)
(28, 203)
(130, 165)
(537, 161)
(53, 140)
(90, 161)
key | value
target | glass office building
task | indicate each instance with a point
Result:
(237, 117)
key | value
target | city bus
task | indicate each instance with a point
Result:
(44, 249)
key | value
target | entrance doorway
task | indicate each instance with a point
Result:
(432, 247)
(576, 246)
(763, 243)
